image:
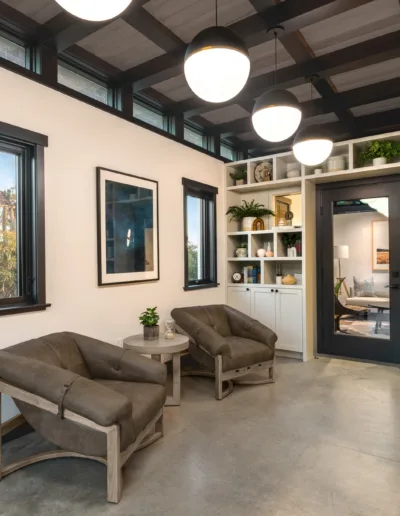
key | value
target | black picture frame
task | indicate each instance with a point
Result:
(106, 278)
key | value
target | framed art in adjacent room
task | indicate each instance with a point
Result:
(380, 245)
(127, 228)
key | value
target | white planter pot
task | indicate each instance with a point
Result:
(247, 223)
(378, 162)
(239, 182)
(241, 252)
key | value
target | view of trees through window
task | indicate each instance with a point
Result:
(8, 225)
(194, 237)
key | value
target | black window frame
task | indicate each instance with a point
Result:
(31, 220)
(209, 235)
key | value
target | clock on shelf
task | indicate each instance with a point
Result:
(237, 277)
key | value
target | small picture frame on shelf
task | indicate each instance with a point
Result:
(258, 225)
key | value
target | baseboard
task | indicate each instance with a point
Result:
(12, 424)
(289, 354)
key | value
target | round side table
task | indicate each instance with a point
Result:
(159, 347)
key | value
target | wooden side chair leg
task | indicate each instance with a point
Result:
(218, 378)
(114, 473)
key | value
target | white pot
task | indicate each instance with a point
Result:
(247, 223)
(336, 163)
(378, 162)
(293, 173)
(239, 182)
(241, 252)
(261, 253)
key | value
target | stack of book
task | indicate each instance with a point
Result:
(251, 274)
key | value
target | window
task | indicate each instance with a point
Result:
(148, 115)
(228, 152)
(79, 83)
(12, 51)
(195, 137)
(200, 235)
(22, 260)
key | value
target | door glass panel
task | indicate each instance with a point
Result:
(361, 267)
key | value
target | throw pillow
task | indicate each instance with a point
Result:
(364, 288)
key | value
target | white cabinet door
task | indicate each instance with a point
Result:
(263, 306)
(289, 319)
(240, 299)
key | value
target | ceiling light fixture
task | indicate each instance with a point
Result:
(312, 144)
(277, 113)
(217, 63)
(95, 10)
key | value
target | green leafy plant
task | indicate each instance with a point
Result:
(289, 239)
(243, 245)
(240, 173)
(338, 286)
(150, 317)
(248, 209)
(380, 149)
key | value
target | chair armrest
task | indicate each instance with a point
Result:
(110, 362)
(244, 326)
(84, 397)
(202, 334)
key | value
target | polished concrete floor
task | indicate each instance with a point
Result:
(324, 440)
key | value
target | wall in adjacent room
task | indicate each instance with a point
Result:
(81, 138)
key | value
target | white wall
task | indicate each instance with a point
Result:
(355, 230)
(82, 137)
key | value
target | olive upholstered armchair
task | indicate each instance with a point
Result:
(228, 344)
(91, 399)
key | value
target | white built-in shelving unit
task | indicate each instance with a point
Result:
(289, 310)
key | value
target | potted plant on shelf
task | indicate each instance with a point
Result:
(289, 241)
(380, 152)
(241, 250)
(239, 176)
(149, 319)
(247, 212)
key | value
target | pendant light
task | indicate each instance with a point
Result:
(312, 144)
(277, 113)
(217, 63)
(95, 10)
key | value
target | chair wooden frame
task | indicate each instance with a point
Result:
(115, 459)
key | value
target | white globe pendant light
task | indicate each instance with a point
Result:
(217, 64)
(312, 145)
(95, 10)
(277, 113)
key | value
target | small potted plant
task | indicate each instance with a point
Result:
(289, 241)
(241, 250)
(247, 212)
(149, 319)
(380, 152)
(239, 176)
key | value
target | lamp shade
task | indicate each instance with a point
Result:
(95, 10)
(217, 64)
(276, 115)
(312, 145)
(341, 251)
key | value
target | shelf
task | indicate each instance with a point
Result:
(272, 259)
(276, 229)
(264, 285)
(267, 185)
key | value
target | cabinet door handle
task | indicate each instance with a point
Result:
(276, 290)
(272, 290)
(247, 289)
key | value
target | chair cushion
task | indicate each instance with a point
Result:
(147, 399)
(367, 301)
(214, 316)
(245, 352)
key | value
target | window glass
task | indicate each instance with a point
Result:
(81, 84)
(195, 240)
(148, 115)
(193, 137)
(227, 152)
(9, 163)
(12, 51)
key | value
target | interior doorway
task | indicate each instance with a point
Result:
(358, 263)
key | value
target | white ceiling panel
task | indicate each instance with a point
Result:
(354, 26)
(376, 107)
(226, 114)
(39, 10)
(176, 88)
(367, 75)
(121, 45)
(188, 17)
(262, 58)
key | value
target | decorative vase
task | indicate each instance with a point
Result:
(261, 253)
(247, 223)
(279, 280)
(288, 280)
(292, 252)
(270, 252)
(378, 162)
(241, 252)
(151, 332)
(293, 173)
(281, 222)
(336, 163)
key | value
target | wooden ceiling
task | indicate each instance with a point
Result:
(352, 46)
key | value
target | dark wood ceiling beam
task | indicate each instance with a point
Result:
(293, 14)
(347, 59)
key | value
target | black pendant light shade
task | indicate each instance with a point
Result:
(312, 145)
(217, 64)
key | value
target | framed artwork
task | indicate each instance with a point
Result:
(127, 228)
(380, 245)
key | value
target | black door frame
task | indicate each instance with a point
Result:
(381, 350)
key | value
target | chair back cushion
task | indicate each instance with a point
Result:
(214, 316)
(58, 349)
